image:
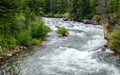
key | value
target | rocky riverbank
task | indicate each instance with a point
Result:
(12, 52)
(83, 21)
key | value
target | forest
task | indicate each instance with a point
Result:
(21, 23)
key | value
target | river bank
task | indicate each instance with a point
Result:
(66, 55)
(12, 52)
(16, 51)
(110, 33)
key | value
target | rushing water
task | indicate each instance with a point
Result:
(78, 54)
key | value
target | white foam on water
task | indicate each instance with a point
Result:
(70, 61)
(95, 42)
(109, 51)
(73, 61)
(82, 34)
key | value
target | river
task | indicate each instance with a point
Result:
(78, 54)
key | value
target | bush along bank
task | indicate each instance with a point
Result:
(20, 26)
(24, 39)
(114, 41)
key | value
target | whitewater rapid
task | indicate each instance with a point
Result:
(78, 54)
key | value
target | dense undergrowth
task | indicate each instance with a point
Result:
(20, 24)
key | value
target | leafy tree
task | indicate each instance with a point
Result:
(16, 21)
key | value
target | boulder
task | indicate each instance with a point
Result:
(9, 55)
(65, 19)
(17, 48)
(24, 48)
(87, 21)
(68, 19)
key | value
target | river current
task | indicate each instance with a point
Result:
(78, 54)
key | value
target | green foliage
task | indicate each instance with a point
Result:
(61, 15)
(4, 42)
(97, 18)
(18, 23)
(39, 30)
(8, 42)
(115, 41)
(12, 42)
(105, 20)
(110, 28)
(66, 14)
(62, 31)
(36, 41)
(58, 15)
(79, 9)
(49, 15)
(24, 37)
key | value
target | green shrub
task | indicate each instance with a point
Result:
(110, 28)
(66, 14)
(62, 31)
(61, 15)
(49, 15)
(39, 30)
(36, 41)
(105, 20)
(3, 42)
(24, 37)
(58, 15)
(20, 20)
(12, 42)
(115, 41)
(96, 18)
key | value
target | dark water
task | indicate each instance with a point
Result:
(78, 54)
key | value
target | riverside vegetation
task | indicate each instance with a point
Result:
(21, 23)
(103, 12)
(100, 12)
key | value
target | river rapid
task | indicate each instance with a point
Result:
(78, 54)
